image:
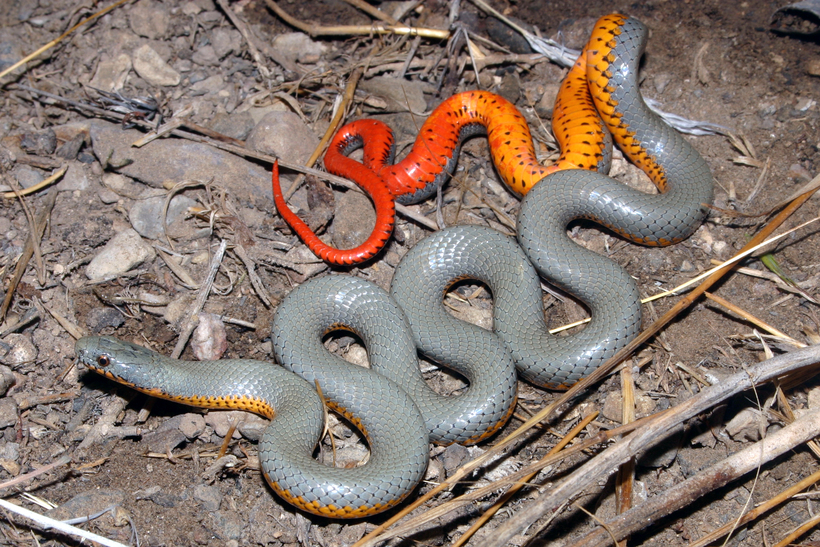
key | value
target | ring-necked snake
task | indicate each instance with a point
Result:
(610, 61)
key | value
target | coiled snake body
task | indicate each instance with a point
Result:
(396, 431)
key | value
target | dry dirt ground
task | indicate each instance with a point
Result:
(714, 61)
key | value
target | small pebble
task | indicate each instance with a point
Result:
(27, 176)
(146, 215)
(149, 19)
(124, 251)
(22, 350)
(6, 379)
(813, 67)
(453, 457)
(11, 451)
(210, 340)
(799, 173)
(748, 425)
(297, 46)
(8, 412)
(208, 496)
(39, 143)
(88, 503)
(104, 318)
(283, 134)
(221, 421)
(153, 69)
(192, 425)
(111, 74)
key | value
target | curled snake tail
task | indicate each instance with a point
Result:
(373, 187)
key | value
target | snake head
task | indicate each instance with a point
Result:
(118, 360)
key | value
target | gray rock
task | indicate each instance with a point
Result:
(88, 503)
(298, 46)
(22, 352)
(253, 427)
(11, 51)
(208, 496)
(11, 452)
(208, 86)
(398, 95)
(146, 214)
(285, 135)
(227, 525)
(453, 457)
(546, 103)
(6, 379)
(78, 177)
(191, 425)
(69, 149)
(237, 125)
(226, 41)
(112, 73)
(161, 497)
(221, 421)
(123, 252)
(510, 87)
(177, 160)
(149, 19)
(153, 69)
(205, 56)
(210, 18)
(127, 188)
(8, 412)
(167, 436)
(107, 196)
(27, 176)
(353, 221)
(104, 318)
(41, 143)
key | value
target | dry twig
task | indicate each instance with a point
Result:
(199, 303)
(35, 235)
(732, 468)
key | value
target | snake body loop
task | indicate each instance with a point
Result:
(340, 301)
(398, 439)
(387, 415)
(611, 61)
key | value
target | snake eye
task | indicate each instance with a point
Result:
(103, 361)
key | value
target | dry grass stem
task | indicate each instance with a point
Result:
(335, 122)
(190, 322)
(32, 242)
(26, 477)
(243, 30)
(48, 181)
(746, 316)
(361, 30)
(746, 251)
